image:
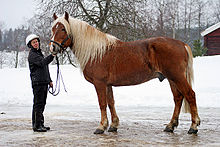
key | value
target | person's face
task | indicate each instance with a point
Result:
(35, 43)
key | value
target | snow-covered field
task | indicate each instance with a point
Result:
(15, 88)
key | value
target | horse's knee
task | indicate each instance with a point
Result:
(103, 106)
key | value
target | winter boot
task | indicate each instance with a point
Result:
(39, 129)
(42, 123)
(47, 128)
(37, 125)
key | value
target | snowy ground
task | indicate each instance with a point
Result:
(143, 110)
(139, 126)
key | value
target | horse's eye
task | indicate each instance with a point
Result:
(63, 30)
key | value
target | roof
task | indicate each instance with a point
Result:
(211, 29)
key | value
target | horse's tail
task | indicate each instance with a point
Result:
(189, 76)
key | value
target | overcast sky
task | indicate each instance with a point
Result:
(14, 12)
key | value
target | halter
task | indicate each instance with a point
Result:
(62, 43)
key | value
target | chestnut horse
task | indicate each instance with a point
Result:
(107, 61)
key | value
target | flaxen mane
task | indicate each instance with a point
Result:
(88, 42)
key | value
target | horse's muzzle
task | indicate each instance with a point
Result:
(54, 49)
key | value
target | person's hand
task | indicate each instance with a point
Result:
(51, 84)
(53, 54)
(52, 51)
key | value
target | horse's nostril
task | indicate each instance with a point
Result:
(52, 48)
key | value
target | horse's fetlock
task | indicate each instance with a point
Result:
(115, 122)
(169, 128)
(175, 123)
(198, 121)
(105, 124)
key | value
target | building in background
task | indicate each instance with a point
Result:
(212, 39)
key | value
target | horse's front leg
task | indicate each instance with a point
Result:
(101, 89)
(111, 105)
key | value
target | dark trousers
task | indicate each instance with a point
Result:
(39, 102)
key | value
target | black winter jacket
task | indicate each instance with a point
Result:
(38, 66)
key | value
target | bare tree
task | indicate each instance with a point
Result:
(108, 16)
(161, 16)
(1, 35)
(173, 14)
(186, 13)
(18, 42)
(216, 13)
(1, 59)
(200, 4)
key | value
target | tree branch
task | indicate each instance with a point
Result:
(87, 14)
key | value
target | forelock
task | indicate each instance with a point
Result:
(64, 22)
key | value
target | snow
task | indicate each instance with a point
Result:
(15, 88)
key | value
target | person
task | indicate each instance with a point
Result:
(40, 79)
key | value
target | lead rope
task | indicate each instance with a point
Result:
(56, 91)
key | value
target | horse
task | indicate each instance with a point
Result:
(106, 61)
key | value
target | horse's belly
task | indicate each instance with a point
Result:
(134, 78)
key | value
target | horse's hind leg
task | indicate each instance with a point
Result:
(111, 105)
(101, 89)
(178, 99)
(186, 90)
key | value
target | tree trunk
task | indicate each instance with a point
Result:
(16, 59)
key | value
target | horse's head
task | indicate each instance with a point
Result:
(61, 39)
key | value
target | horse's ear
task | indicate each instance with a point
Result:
(66, 16)
(54, 16)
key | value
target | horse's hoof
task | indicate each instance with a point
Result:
(112, 129)
(167, 129)
(99, 131)
(192, 131)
